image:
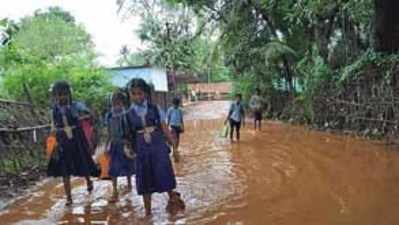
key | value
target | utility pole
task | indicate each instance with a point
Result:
(209, 67)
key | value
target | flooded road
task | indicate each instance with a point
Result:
(283, 175)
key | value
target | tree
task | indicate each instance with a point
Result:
(47, 47)
(55, 12)
(52, 40)
(168, 32)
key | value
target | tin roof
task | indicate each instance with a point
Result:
(155, 76)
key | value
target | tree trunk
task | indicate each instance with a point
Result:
(386, 25)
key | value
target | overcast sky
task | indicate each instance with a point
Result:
(100, 18)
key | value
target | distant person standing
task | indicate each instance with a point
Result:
(236, 117)
(256, 106)
(176, 124)
(194, 96)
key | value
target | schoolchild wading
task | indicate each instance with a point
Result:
(122, 163)
(256, 106)
(72, 155)
(236, 117)
(176, 123)
(154, 171)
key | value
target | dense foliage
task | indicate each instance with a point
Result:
(176, 38)
(46, 47)
(275, 43)
(321, 56)
(315, 55)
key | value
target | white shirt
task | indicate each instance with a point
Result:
(254, 103)
(236, 111)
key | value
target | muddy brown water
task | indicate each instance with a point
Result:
(282, 175)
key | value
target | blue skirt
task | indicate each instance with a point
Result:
(120, 165)
(154, 171)
(72, 157)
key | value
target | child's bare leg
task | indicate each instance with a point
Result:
(67, 188)
(176, 154)
(238, 132)
(89, 184)
(114, 197)
(176, 147)
(129, 183)
(147, 204)
(231, 131)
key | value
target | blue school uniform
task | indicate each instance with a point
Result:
(175, 116)
(72, 156)
(175, 120)
(154, 171)
(120, 164)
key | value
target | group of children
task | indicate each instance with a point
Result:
(236, 114)
(138, 143)
(139, 140)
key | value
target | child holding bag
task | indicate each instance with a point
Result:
(154, 171)
(71, 156)
(122, 163)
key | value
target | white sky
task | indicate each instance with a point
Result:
(108, 30)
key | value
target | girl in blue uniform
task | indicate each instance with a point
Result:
(154, 171)
(72, 155)
(121, 155)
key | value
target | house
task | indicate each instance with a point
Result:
(158, 77)
(211, 91)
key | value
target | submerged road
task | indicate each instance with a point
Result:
(283, 175)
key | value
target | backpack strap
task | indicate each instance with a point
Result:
(241, 108)
(157, 113)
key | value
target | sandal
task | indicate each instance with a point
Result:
(175, 203)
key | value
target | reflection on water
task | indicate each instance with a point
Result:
(282, 175)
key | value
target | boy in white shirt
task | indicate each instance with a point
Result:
(256, 106)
